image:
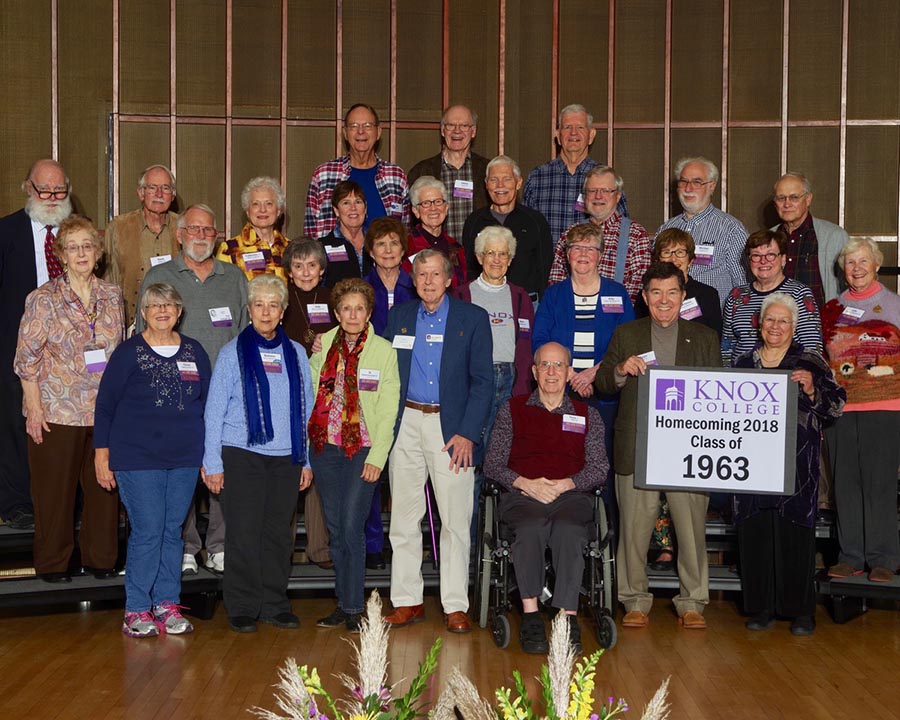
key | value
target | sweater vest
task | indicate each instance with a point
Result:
(540, 446)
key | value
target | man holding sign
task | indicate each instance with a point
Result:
(661, 339)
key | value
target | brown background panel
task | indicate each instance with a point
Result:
(639, 160)
(816, 152)
(311, 59)
(26, 74)
(583, 55)
(814, 60)
(890, 260)
(255, 151)
(419, 53)
(697, 66)
(143, 57)
(200, 53)
(871, 200)
(414, 145)
(755, 60)
(753, 164)
(141, 145)
(201, 167)
(598, 149)
(873, 90)
(473, 45)
(85, 97)
(256, 88)
(367, 55)
(640, 61)
(304, 153)
(529, 53)
(693, 142)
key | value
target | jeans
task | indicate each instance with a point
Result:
(346, 500)
(157, 503)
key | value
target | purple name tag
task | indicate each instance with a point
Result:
(221, 317)
(188, 372)
(271, 362)
(578, 205)
(368, 380)
(318, 313)
(851, 315)
(464, 189)
(336, 253)
(254, 260)
(611, 304)
(95, 360)
(690, 309)
(703, 255)
(574, 423)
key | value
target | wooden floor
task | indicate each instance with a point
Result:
(75, 663)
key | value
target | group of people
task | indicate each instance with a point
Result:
(443, 330)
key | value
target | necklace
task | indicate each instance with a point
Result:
(310, 334)
(770, 361)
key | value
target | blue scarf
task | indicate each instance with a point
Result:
(256, 390)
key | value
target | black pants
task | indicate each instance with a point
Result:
(778, 561)
(15, 488)
(259, 498)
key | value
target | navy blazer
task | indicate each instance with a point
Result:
(18, 277)
(467, 369)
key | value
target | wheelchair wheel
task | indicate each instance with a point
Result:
(605, 630)
(485, 560)
(500, 631)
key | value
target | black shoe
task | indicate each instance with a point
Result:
(101, 574)
(352, 623)
(574, 633)
(761, 621)
(242, 624)
(20, 519)
(803, 625)
(336, 619)
(375, 561)
(56, 577)
(663, 565)
(532, 636)
(285, 621)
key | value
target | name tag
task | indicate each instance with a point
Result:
(390, 299)
(271, 362)
(336, 253)
(159, 260)
(318, 313)
(254, 260)
(578, 205)
(221, 317)
(649, 358)
(690, 309)
(703, 255)
(95, 360)
(464, 189)
(852, 315)
(434, 337)
(187, 371)
(396, 209)
(611, 304)
(368, 379)
(574, 423)
(524, 326)
(403, 342)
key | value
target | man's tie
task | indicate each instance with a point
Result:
(54, 268)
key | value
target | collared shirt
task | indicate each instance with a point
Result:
(727, 235)
(636, 261)
(553, 191)
(389, 179)
(428, 348)
(460, 207)
(803, 258)
(39, 232)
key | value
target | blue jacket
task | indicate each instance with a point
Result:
(467, 368)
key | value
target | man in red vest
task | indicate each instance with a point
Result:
(547, 451)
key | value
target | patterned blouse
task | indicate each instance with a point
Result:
(54, 334)
(253, 255)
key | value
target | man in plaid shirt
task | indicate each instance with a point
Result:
(384, 183)
(602, 193)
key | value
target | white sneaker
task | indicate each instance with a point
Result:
(188, 564)
(215, 562)
(169, 619)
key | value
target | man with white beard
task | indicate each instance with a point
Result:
(215, 311)
(27, 260)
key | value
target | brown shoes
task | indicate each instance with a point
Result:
(457, 622)
(692, 621)
(880, 574)
(635, 619)
(405, 615)
(843, 570)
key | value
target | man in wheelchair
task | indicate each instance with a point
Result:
(546, 450)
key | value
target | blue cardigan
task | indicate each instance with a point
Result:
(403, 292)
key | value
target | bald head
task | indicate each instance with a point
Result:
(47, 188)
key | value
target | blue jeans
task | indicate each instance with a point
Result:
(157, 502)
(346, 501)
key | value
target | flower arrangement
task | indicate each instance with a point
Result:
(567, 686)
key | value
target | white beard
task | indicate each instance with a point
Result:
(38, 211)
(191, 251)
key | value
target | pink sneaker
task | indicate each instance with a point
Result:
(140, 625)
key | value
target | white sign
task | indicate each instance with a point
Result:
(730, 430)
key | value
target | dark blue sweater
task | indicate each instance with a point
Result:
(149, 412)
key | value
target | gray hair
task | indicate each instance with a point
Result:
(780, 298)
(712, 172)
(598, 170)
(575, 108)
(263, 182)
(303, 248)
(496, 233)
(267, 284)
(423, 183)
(807, 188)
(858, 243)
(196, 206)
(428, 253)
(161, 292)
(504, 160)
(142, 180)
(447, 109)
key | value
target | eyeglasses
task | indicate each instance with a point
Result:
(498, 254)
(494, 180)
(759, 257)
(161, 306)
(782, 199)
(459, 126)
(366, 126)
(428, 204)
(84, 247)
(153, 189)
(584, 248)
(602, 191)
(198, 230)
(669, 252)
(694, 184)
(545, 365)
(770, 321)
(47, 194)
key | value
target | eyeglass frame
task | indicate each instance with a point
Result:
(47, 194)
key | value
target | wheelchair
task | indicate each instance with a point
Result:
(495, 581)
